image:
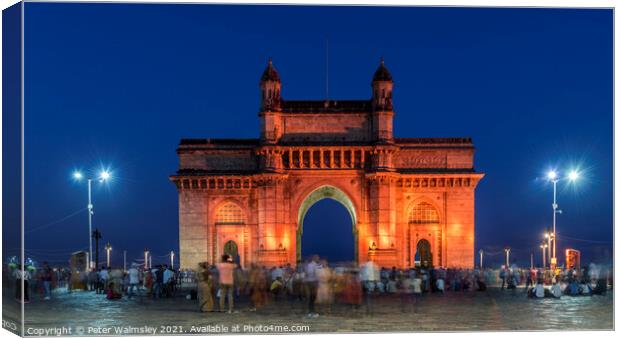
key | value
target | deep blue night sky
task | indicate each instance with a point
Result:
(119, 85)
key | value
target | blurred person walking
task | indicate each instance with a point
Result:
(226, 268)
(312, 285)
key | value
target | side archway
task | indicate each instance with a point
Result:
(424, 233)
(320, 193)
(230, 221)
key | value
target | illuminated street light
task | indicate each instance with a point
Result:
(108, 248)
(549, 236)
(171, 259)
(103, 176)
(481, 252)
(507, 251)
(573, 175)
(554, 177)
(146, 258)
(544, 255)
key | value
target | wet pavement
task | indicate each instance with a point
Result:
(86, 313)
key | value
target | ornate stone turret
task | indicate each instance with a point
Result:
(270, 89)
(382, 88)
(270, 105)
(383, 112)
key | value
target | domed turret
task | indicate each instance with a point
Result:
(270, 89)
(382, 85)
(270, 73)
(382, 73)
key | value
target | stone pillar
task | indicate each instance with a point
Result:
(272, 221)
(459, 228)
(382, 217)
(193, 233)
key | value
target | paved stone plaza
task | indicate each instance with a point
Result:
(453, 311)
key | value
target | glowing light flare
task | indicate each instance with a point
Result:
(77, 175)
(573, 175)
(104, 175)
(552, 175)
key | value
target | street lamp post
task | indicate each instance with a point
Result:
(553, 177)
(108, 248)
(507, 251)
(97, 237)
(146, 258)
(104, 175)
(481, 252)
(549, 236)
(172, 259)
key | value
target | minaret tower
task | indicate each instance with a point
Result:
(270, 105)
(383, 112)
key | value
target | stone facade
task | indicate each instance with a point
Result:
(405, 195)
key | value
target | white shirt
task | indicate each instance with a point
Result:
(439, 284)
(311, 272)
(556, 290)
(277, 272)
(168, 275)
(134, 276)
(103, 274)
(370, 272)
(539, 291)
(417, 285)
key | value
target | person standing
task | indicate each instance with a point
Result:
(256, 284)
(103, 280)
(22, 275)
(312, 284)
(158, 281)
(134, 279)
(168, 281)
(324, 293)
(417, 291)
(502, 275)
(92, 280)
(369, 275)
(47, 280)
(226, 268)
(205, 288)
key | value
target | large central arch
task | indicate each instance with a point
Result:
(322, 192)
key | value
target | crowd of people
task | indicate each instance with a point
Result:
(157, 282)
(320, 286)
(314, 283)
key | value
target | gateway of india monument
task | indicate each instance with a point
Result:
(411, 200)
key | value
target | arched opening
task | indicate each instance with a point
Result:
(424, 219)
(229, 221)
(423, 253)
(231, 249)
(327, 226)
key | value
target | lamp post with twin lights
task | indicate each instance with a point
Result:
(554, 177)
(104, 175)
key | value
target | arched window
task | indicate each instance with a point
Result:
(229, 213)
(423, 213)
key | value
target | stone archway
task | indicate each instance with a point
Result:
(232, 249)
(423, 248)
(331, 192)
